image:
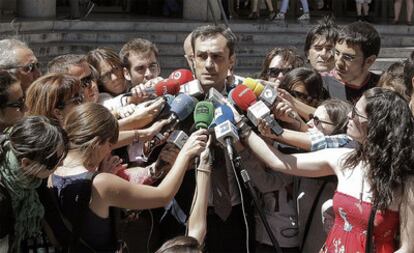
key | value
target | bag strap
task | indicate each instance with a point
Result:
(74, 229)
(370, 230)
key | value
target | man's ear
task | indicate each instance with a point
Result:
(58, 114)
(25, 162)
(126, 74)
(370, 60)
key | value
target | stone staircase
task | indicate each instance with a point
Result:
(51, 38)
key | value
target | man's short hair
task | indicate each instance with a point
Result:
(208, 31)
(409, 74)
(62, 63)
(8, 59)
(361, 34)
(326, 29)
(137, 46)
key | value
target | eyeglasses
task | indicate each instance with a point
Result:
(153, 67)
(86, 81)
(354, 113)
(346, 57)
(19, 104)
(29, 68)
(317, 121)
(274, 72)
(76, 100)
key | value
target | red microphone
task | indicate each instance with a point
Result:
(243, 97)
(183, 76)
(166, 86)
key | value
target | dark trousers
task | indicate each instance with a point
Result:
(230, 235)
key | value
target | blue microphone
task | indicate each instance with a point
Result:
(224, 128)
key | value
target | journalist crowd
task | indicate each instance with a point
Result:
(100, 153)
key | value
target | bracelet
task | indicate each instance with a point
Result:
(204, 170)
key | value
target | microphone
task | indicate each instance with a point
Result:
(256, 110)
(181, 107)
(268, 95)
(225, 130)
(192, 88)
(178, 138)
(182, 76)
(203, 114)
(218, 99)
(166, 86)
(254, 85)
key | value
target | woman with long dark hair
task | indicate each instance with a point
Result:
(29, 153)
(377, 174)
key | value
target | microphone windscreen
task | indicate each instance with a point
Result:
(203, 114)
(169, 98)
(183, 105)
(243, 97)
(182, 76)
(254, 85)
(167, 86)
(221, 114)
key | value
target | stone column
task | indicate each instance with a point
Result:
(36, 8)
(200, 10)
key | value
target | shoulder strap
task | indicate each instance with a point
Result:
(75, 228)
(370, 230)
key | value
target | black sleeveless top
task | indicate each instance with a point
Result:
(98, 233)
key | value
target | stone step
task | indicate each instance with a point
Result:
(175, 49)
(173, 26)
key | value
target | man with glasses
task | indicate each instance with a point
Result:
(355, 51)
(12, 106)
(17, 57)
(76, 65)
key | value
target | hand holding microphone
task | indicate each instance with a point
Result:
(166, 86)
(195, 144)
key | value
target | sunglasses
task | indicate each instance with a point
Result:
(317, 120)
(31, 67)
(354, 113)
(86, 81)
(274, 72)
(76, 100)
(19, 104)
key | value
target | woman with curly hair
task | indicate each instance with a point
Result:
(374, 177)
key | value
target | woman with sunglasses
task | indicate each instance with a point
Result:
(374, 180)
(29, 153)
(278, 62)
(53, 96)
(12, 107)
(330, 119)
(92, 131)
